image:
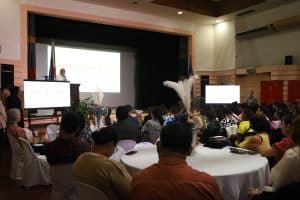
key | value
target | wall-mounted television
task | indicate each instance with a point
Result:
(222, 94)
(46, 94)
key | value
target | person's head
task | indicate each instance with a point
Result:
(14, 90)
(286, 124)
(62, 71)
(296, 131)
(121, 113)
(259, 124)
(175, 140)
(13, 115)
(69, 124)
(156, 114)
(105, 140)
(251, 94)
(128, 108)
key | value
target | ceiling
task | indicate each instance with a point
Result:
(204, 11)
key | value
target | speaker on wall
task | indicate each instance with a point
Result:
(204, 81)
(7, 75)
(288, 60)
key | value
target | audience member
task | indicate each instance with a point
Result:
(251, 100)
(5, 92)
(13, 101)
(66, 148)
(95, 169)
(107, 119)
(171, 177)
(127, 128)
(259, 141)
(151, 130)
(84, 131)
(13, 117)
(279, 148)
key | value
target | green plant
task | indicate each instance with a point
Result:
(83, 106)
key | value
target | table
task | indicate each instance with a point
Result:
(234, 173)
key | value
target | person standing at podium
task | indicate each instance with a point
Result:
(62, 75)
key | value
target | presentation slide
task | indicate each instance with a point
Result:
(222, 93)
(94, 70)
(46, 94)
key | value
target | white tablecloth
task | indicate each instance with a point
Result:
(234, 173)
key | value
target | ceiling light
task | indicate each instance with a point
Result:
(180, 12)
(219, 21)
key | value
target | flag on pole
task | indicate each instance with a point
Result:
(190, 71)
(31, 48)
(52, 69)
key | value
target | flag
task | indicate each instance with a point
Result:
(52, 69)
(31, 48)
(190, 68)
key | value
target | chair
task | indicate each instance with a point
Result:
(52, 131)
(36, 167)
(85, 191)
(127, 145)
(62, 184)
(17, 160)
(143, 145)
(118, 153)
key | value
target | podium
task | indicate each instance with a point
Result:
(74, 93)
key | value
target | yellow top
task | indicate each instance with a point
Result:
(265, 144)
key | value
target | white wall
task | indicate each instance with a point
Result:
(10, 29)
(204, 47)
(41, 61)
(224, 45)
(269, 49)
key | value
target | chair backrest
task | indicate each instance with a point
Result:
(52, 131)
(127, 145)
(85, 191)
(62, 184)
(118, 153)
(15, 145)
(143, 145)
(29, 154)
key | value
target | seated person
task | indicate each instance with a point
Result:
(286, 171)
(66, 148)
(279, 148)
(171, 177)
(14, 117)
(84, 132)
(151, 130)
(126, 127)
(259, 141)
(95, 169)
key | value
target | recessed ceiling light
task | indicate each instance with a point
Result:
(179, 12)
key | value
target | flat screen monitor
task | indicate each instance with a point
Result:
(46, 94)
(222, 94)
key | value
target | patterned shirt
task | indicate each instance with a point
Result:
(151, 131)
(63, 151)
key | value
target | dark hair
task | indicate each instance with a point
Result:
(157, 114)
(176, 136)
(69, 122)
(107, 117)
(105, 135)
(14, 90)
(121, 113)
(296, 131)
(288, 119)
(260, 124)
(128, 108)
(81, 120)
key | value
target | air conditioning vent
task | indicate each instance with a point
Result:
(264, 30)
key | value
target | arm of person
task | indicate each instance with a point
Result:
(283, 171)
(252, 142)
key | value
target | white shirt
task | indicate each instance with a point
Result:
(287, 169)
(59, 77)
